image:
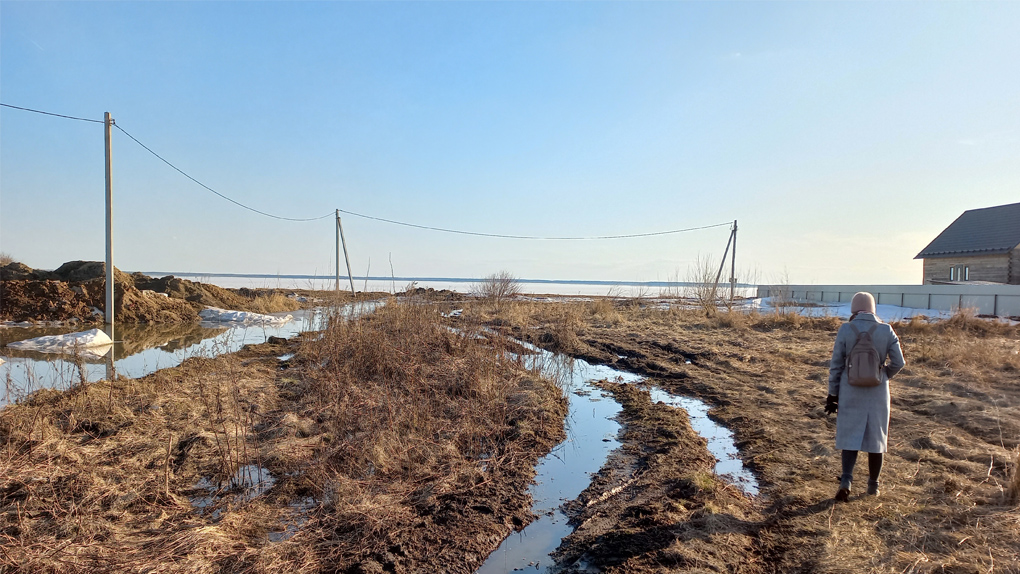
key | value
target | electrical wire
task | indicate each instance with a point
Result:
(234, 201)
(502, 236)
(51, 114)
(382, 219)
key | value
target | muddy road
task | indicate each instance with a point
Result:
(657, 507)
(395, 444)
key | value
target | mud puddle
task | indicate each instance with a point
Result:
(591, 435)
(139, 350)
(729, 466)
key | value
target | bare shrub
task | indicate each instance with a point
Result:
(5, 258)
(498, 288)
(702, 288)
(780, 294)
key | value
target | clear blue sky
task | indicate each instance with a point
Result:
(842, 136)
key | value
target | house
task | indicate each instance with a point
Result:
(981, 245)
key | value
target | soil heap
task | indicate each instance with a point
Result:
(77, 290)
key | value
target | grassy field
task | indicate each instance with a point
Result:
(405, 441)
(950, 486)
(385, 443)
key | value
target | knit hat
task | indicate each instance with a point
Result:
(863, 302)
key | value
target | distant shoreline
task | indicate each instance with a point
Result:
(597, 282)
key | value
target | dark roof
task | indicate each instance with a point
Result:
(987, 231)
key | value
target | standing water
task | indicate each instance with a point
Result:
(591, 435)
(139, 349)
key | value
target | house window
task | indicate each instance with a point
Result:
(952, 273)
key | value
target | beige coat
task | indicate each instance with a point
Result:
(862, 421)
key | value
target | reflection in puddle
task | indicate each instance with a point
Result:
(140, 349)
(729, 466)
(567, 470)
(298, 515)
(247, 483)
(591, 436)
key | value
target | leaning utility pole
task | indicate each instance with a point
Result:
(108, 124)
(340, 231)
(733, 263)
(337, 287)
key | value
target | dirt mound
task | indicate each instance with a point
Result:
(203, 294)
(19, 272)
(42, 301)
(77, 286)
(433, 294)
(61, 301)
(76, 271)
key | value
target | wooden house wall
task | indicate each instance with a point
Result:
(994, 268)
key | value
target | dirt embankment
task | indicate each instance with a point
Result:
(77, 290)
(948, 477)
(389, 444)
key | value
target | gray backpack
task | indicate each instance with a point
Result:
(864, 364)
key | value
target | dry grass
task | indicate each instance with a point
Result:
(386, 431)
(5, 258)
(412, 410)
(950, 479)
(272, 301)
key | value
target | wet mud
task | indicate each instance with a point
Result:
(657, 506)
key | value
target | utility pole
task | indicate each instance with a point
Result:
(722, 265)
(108, 124)
(337, 251)
(733, 263)
(340, 229)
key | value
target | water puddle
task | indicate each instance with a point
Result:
(729, 466)
(568, 469)
(250, 481)
(591, 436)
(138, 350)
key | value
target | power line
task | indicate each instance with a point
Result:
(234, 201)
(502, 236)
(179, 170)
(51, 114)
(382, 219)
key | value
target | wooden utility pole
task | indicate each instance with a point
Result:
(108, 124)
(722, 265)
(340, 229)
(337, 251)
(733, 263)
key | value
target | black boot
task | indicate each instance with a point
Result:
(874, 470)
(849, 460)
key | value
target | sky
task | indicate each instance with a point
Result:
(842, 137)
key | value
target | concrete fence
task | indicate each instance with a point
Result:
(1001, 300)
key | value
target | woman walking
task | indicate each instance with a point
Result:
(859, 388)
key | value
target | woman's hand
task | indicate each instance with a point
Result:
(831, 404)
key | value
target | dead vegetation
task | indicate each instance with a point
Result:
(386, 443)
(499, 289)
(949, 484)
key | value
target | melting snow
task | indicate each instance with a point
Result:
(95, 342)
(225, 316)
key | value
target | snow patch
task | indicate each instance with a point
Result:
(842, 310)
(225, 316)
(91, 341)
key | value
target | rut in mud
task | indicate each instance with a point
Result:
(948, 478)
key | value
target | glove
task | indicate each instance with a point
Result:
(831, 404)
